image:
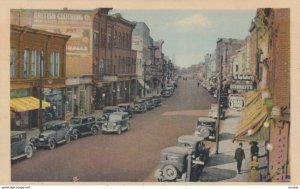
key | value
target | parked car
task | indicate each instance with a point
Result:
(127, 107)
(54, 132)
(83, 125)
(197, 145)
(149, 103)
(106, 112)
(156, 100)
(19, 147)
(167, 92)
(140, 106)
(174, 82)
(117, 123)
(206, 128)
(213, 112)
(175, 163)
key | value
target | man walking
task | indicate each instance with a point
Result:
(239, 156)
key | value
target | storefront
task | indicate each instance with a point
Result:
(55, 97)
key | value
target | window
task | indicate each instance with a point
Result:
(115, 38)
(96, 39)
(33, 63)
(236, 68)
(108, 44)
(69, 95)
(12, 62)
(41, 64)
(120, 39)
(123, 41)
(54, 64)
(26, 63)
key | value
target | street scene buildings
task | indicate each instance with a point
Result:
(79, 72)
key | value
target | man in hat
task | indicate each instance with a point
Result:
(254, 149)
(239, 156)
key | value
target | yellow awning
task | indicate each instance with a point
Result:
(252, 117)
(26, 104)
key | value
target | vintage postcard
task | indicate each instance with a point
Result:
(191, 93)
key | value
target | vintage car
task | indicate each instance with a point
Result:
(177, 164)
(83, 125)
(206, 128)
(54, 132)
(106, 112)
(127, 107)
(156, 100)
(117, 123)
(140, 106)
(197, 145)
(167, 92)
(19, 147)
(213, 112)
(149, 103)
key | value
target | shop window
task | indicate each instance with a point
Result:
(69, 101)
(12, 63)
(33, 63)
(26, 63)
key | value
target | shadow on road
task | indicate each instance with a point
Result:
(216, 174)
(220, 159)
(226, 136)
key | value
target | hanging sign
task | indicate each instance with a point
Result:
(236, 101)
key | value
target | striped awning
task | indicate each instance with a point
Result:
(26, 104)
(252, 119)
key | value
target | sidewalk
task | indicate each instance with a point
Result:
(222, 166)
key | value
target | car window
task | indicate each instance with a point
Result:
(75, 121)
(59, 127)
(201, 123)
(15, 138)
(91, 119)
(85, 120)
(184, 144)
(49, 127)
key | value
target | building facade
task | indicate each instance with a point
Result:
(37, 71)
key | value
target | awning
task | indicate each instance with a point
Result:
(141, 82)
(26, 104)
(252, 119)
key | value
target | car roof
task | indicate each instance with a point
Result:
(206, 119)
(119, 113)
(110, 107)
(13, 133)
(83, 116)
(175, 150)
(190, 138)
(55, 122)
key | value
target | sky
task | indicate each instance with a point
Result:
(189, 34)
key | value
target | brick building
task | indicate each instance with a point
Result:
(37, 61)
(100, 65)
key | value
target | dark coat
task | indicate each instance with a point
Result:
(239, 154)
(254, 150)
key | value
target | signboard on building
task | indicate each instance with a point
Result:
(241, 87)
(236, 101)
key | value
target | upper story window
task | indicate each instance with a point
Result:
(33, 63)
(54, 64)
(12, 63)
(96, 39)
(26, 63)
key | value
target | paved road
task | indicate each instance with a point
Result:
(131, 156)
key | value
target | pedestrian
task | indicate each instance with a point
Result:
(254, 149)
(254, 173)
(198, 84)
(239, 156)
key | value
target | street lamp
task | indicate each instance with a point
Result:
(40, 113)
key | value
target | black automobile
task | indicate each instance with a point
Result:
(206, 128)
(167, 92)
(19, 147)
(149, 103)
(140, 106)
(156, 99)
(83, 125)
(54, 132)
(127, 107)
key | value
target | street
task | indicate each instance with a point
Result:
(131, 156)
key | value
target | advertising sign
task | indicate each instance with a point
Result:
(236, 101)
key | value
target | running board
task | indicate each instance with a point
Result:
(19, 156)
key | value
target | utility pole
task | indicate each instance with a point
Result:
(40, 113)
(144, 78)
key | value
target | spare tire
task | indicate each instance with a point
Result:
(204, 132)
(170, 172)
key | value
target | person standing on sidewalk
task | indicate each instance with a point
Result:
(254, 149)
(239, 156)
(254, 171)
(198, 84)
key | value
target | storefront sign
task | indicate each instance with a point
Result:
(245, 87)
(236, 101)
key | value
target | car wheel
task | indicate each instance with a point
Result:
(94, 131)
(68, 138)
(75, 135)
(51, 144)
(170, 172)
(119, 131)
(28, 151)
